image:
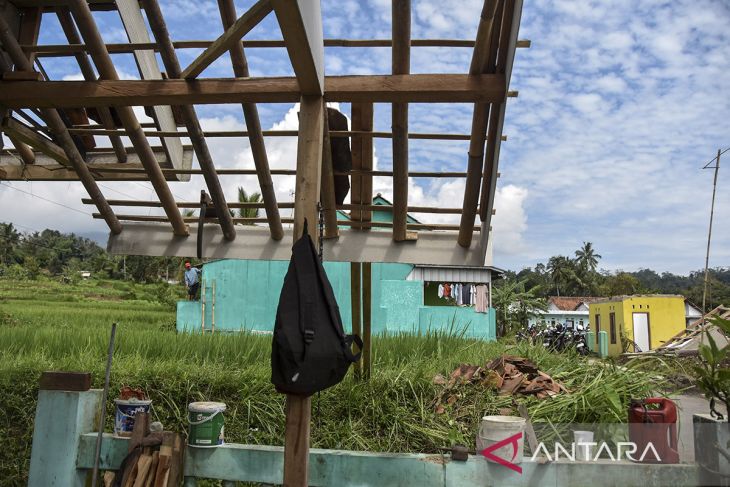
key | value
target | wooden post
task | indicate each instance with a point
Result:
(308, 179)
(401, 65)
(202, 306)
(212, 309)
(329, 203)
(355, 297)
(367, 309)
(362, 160)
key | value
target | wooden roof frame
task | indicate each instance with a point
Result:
(47, 151)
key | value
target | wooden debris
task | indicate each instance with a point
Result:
(507, 374)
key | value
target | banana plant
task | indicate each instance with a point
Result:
(713, 372)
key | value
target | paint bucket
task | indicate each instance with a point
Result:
(124, 414)
(583, 451)
(206, 424)
(494, 429)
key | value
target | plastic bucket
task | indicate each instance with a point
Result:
(206, 424)
(583, 451)
(124, 414)
(494, 429)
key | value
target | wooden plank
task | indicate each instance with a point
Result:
(362, 160)
(327, 197)
(415, 88)
(401, 26)
(22, 76)
(30, 26)
(61, 50)
(301, 25)
(65, 381)
(232, 35)
(367, 312)
(20, 132)
(25, 152)
(355, 302)
(351, 246)
(136, 29)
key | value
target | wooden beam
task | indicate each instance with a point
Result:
(87, 71)
(30, 26)
(58, 128)
(253, 124)
(401, 64)
(415, 88)
(482, 61)
(169, 58)
(367, 312)
(25, 152)
(61, 50)
(99, 54)
(231, 36)
(136, 28)
(362, 160)
(355, 301)
(301, 25)
(20, 132)
(327, 194)
(309, 165)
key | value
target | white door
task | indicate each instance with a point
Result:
(641, 331)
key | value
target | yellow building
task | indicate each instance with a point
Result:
(646, 320)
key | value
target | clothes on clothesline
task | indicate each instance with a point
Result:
(466, 295)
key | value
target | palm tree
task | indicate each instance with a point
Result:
(9, 240)
(586, 257)
(248, 212)
(515, 304)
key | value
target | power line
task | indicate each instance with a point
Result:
(707, 164)
(46, 199)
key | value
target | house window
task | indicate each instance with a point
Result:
(612, 320)
(598, 327)
(580, 322)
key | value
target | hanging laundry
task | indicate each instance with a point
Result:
(466, 295)
(481, 303)
(447, 290)
(441, 291)
(455, 292)
(472, 294)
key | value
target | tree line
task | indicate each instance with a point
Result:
(519, 294)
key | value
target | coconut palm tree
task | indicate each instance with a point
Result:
(586, 257)
(244, 197)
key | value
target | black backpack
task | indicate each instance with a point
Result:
(310, 351)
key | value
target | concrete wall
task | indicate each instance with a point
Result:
(247, 295)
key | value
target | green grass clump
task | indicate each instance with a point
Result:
(46, 325)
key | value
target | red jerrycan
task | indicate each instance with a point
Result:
(653, 429)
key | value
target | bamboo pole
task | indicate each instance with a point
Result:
(355, 302)
(709, 236)
(282, 172)
(100, 55)
(253, 124)
(212, 310)
(195, 131)
(482, 61)
(25, 151)
(87, 71)
(63, 138)
(401, 65)
(202, 306)
(367, 308)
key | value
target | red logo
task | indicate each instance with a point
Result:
(513, 440)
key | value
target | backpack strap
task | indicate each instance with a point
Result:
(305, 273)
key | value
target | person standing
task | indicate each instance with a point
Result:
(192, 281)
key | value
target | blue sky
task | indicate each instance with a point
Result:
(620, 105)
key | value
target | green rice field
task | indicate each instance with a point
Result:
(47, 325)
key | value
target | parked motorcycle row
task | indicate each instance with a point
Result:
(559, 337)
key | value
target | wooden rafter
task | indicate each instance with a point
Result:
(100, 56)
(413, 88)
(401, 65)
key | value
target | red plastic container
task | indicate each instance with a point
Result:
(654, 420)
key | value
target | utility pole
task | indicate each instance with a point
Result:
(709, 232)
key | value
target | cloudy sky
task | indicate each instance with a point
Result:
(620, 105)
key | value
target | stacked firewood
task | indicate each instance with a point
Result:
(154, 458)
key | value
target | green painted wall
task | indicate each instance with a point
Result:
(247, 295)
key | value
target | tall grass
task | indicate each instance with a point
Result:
(53, 326)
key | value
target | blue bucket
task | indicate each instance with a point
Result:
(124, 414)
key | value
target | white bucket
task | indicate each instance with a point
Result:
(583, 452)
(124, 414)
(494, 429)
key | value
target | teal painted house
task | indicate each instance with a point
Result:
(243, 295)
